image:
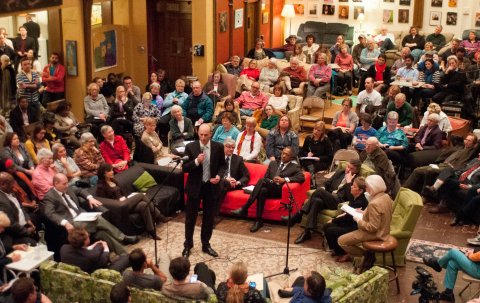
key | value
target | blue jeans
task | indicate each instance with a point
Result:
(417, 53)
(454, 261)
(246, 112)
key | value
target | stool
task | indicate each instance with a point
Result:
(467, 278)
(384, 247)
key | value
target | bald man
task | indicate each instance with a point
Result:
(205, 159)
(375, 158)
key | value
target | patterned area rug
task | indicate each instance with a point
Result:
(339, 100)
(261, 256)
(417, 249)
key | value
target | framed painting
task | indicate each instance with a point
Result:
(343, 11)
(435, 18)
(299, 9)
(239, 18)
(104, 49)
(222, 22)
(437, 3)
(452, 18)
(312, 9)
(71, 57)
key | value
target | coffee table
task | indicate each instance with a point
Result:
(30, 261)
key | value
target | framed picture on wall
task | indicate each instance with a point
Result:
(435, 18)
(265, 18)
(328, 1)
(105, 52)
(222, 22)
(342, 0)
(71, 60)
(437, 3)
(452, 18)
(312, 9)
(452, 3)
(388, 16)
(239, 18)
(328, 10)
(299, 9)
(403, 16)
(357, 10)
(477, 19)
(389, 1)
(343, 11)
(405, 2)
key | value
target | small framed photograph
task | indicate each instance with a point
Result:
(387, 16)
(299, 9)
(452, 18)
(222, 21)
(71, 60)
(265, 18)
(437, 3)
(328, 10)
(403, 16)
(342, 0)
(477, 19)
(312, 9)
(405, 2)
(343, 11)
(239, 18)
(389, 1)
(435, 18)
(452, 3)
(357, 10)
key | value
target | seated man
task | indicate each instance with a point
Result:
(270, 186)
(120, 293)
(400, 62)
(198, 107)
(21, 229)
(437, 38)
(375, 158)
(369, 55)
(454, 45)
(61, 206)
(403, 109)
(234, 175)
(367, 97)
(293, 75)
(385, 40)
(185, 288)
(114, 149)
(24, 290)
(429, 137)
(137, 276)
(421, 176)
(251, 101)
(20, 116)
(89, 257)
(408, 73)
(234, 67)
(337, 190)
(132, 90)
(357, 50)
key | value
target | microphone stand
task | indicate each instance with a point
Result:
(151, 201)
(288, 206)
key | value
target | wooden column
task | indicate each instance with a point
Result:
(418, 6)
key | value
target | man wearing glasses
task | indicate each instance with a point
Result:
(249, 101)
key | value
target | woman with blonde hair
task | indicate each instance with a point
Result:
(248, 76)
(151, 139)
(236, 289)
(443, 124)
(142, 111)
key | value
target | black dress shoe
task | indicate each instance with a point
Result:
(447, 296)
(457, 222)
(209, 251)
(306, 235)
(239, 212)
(255, 227)
(186, 252)
(282, 293)
(130, 240)
(433, 263)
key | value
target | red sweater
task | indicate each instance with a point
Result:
(116, 153)
(251, 72)
(344, 62)
(55, 83)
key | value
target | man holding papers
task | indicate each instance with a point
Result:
(61, 207)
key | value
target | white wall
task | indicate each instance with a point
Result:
(465, 9)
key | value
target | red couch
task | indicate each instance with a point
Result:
(235, 199)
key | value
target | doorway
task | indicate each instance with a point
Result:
(252, 21)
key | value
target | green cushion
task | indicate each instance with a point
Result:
(71, 268)
(107, 274)
(144, 182)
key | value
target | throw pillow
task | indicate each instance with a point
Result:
(144, 182)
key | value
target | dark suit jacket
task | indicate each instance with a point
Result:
(291, 171)
(433, 140)
(13, 214)
(334, 182)
(87, 260)
(187, 128)
(29, 44)
(54, 208)
(347, 220)
(16, 121)
(238, 170)
(195, 173)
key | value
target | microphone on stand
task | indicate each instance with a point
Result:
(179, 159)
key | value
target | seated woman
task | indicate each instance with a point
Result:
(181, 127)
(393, 140)
(259, 53)
(229, 107)
(107, 187)
(363, 132)
(177, 97)
(310, 48)
(16, 151)
(344, 223)
(337, 48)
(51, 133)
(319, 77)
(454, 261)
(317, 145)
(452, 84)
(345, 73)
(247, 77)
(66, 123)
(373, 225)
(471, 44)
(236, 288)
(280, 137)
(121, 114)
(144, 110)
(380, 73)
(153, 80)
(96, 108)
(88, 158)
(151, 139)
(268, 75)
(443, 124)
(278, 100)
(344, 124)
(431, 76)
(216, 90)
(269, 121)
(429, 53)
(65, 164)
(227, 129)
(249, 142)
(37, 142)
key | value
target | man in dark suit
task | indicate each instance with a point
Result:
(21, 45)
(270, 186)
(337, 190)
(234, 174)
(21, 229)
(17, 120)
(61, 205)
(205, 159)
(33, 30)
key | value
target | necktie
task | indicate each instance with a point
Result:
(280, 168)
(227, 173)
(70, 204)
(206, 164)
(464, 176)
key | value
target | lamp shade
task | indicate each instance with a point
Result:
(288, 11)
(361, 17)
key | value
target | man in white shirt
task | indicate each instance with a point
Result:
(408, 73)
(385, 40)
(368, 96)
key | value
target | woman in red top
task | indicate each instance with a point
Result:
(344, 73)
(248, 76)
(380, 73)
(344, 124)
